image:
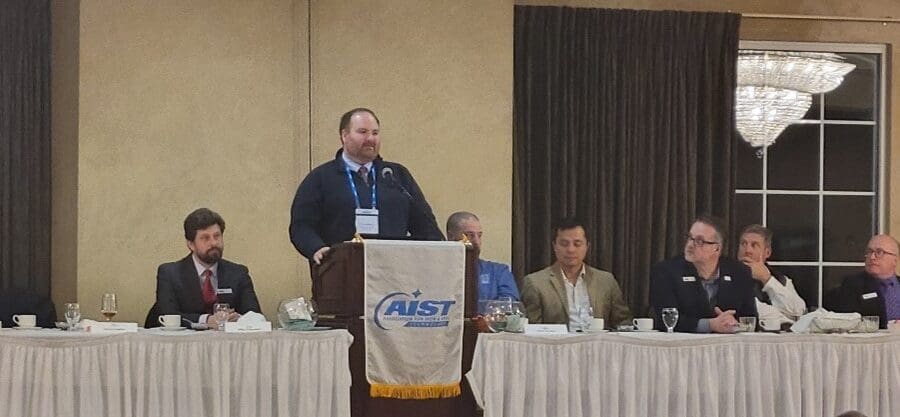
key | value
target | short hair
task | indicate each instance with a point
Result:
(759, 230)
(454, 222)
(717, 224)
(201, 219)
(345, 118)
(568, 223)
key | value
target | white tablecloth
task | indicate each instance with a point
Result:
(658, 374)
(174, 374)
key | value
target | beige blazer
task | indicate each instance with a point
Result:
(544, 296)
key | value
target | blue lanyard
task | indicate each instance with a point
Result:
(353, 188)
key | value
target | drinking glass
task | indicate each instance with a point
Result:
(670, 318)
(108, 306)
(221, 311)
(748, 324)
(584, 314)
(871, 323)
(73, 315)
(495, 314)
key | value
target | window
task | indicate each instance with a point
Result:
(819, 188)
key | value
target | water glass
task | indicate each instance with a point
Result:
(871, 323)
(670, 318)
(748, 324)
(109, 307)
(73, 315)
(221, 312)
(584, 316)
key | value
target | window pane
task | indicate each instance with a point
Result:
(749, 167)
(849, 158)
(794, 219)
(854, 99)
(806, 281)
(847, 225)
(832, 276)
(794, 159)
(747, 210)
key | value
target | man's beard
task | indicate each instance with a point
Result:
(211, 256)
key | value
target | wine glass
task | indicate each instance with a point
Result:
(221, 311)
(670, 318)
(73, 315)
(108, 306)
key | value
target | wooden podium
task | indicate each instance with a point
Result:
(337, 286)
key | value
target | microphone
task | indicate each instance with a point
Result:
(421, 207)
(388, 174)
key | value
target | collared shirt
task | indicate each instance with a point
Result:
(577, 296)
(355, 166)
(889, 290)
(711, 286)
(495, 282)
(214, 278)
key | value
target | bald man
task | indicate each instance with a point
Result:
(875, 291)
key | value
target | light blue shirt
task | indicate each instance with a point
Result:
(495, 282)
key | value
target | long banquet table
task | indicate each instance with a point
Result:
(156, 373)
(659, 374)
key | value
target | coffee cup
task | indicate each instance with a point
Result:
(597, 324)
(170, 320)
(770, 324)
(25, 320)
(643, 325)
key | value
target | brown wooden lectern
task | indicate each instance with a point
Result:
(337, 286)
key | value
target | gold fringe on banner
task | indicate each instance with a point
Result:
(415, 392)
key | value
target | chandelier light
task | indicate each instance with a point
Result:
(775, 89)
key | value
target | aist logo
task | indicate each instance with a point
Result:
(400, 309)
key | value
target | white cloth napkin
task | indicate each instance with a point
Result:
(823, 320)
(251, 317)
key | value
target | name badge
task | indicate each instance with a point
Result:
(727, 278)
(223, 291)
(869, 296)
(485, 278)
(541, 329)
(367, 221)
(688, 279)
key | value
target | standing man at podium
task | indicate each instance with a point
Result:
(358, 192)
(495, 280)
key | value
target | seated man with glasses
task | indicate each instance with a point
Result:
(709, 290)
(874, 291)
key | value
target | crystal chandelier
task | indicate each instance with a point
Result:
(775, 89)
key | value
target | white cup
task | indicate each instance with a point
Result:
(643, 325)
(597, 324)
(170, 320)
(25, 320)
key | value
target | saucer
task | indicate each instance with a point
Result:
(312, 329)
(26, 328)
(171, 329)
(645, 331)
(595, 331)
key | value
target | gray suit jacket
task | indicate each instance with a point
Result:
(544, 296)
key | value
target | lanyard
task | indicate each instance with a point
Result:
(353, 188)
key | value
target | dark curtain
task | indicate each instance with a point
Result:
(25, 145)
(624, 119)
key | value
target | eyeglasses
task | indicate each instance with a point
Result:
(699, 241)
(879, 253)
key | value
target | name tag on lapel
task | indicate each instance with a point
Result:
(223, 291)
(688, 279)
(727, 278)
(869, 295)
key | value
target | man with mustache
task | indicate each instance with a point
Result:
(709, 290)
(875, 291)
(190, 287)
(358, 192)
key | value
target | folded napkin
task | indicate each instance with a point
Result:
(251, 317)
(823, 321)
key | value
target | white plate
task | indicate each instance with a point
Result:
(26, 328)
(171, 329)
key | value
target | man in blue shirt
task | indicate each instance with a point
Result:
(876, 290)
(495, 280)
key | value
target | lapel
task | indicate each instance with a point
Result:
(557, 282)
(695, 287)
(191, 281)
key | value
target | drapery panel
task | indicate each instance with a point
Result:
(623, 118)
(25, 146)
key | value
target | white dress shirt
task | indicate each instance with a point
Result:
(577, 296)
(786, 305)
(214, 278)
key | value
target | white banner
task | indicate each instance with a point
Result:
(414, 295)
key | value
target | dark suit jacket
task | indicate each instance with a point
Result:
(668, 288)
(848, 298)
(324, 211)
(178, 289)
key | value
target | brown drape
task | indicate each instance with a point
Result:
(624, 119)
(25, 145)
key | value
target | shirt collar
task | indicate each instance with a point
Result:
(580, 275)
(200, 268)
(353, 165)
(889, 282)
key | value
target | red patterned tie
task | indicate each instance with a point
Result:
(209, 293)
(364, 173)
